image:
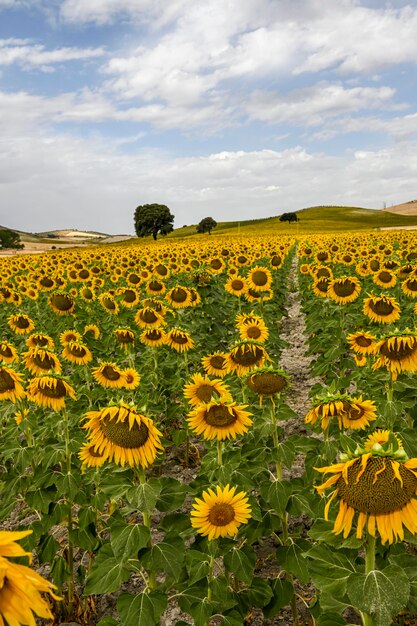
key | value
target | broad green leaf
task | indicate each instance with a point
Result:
(331, 619)
(172, 494)
(107, 573)
(107, 621)
(259, 594)
(141, 610)
(223, 598)
(282, 591)
(408, 562)
(322, 531)
(232, 619)
(165, 557)
(197, 564)
(330, 569)
(201, 612)
(128, 539)
(144, 496)
(241, 563)
(291, 560)
(381, 594)
(276, 494)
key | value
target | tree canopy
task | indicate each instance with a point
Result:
(151, 219)
(289, 217)
(206, 225)
(10, 239)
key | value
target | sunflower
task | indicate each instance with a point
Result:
(90, 457)
(128, 297)
(381, 437)
(246, 355)
(108, 303)
(247, 318)
(21, 324)
(353, 413)
(21, 415)
(125, 337)
(344, 290)
(254, 295)
(87, 294)
(155, 287)
(381, 309)
(362, 342)
(132, 378)
(202, 389)
(219, 419)
(8, 353)
(259, 278)
(397, 352)
(154, 337)
(40, 340)
(256, 330)
(149, 317)
(109, 375)
(360, 360)
(92, 329)
(11, 387)
(195, 296)
(61, 303)
(20, 586)
(50, 392)
(385, 278)
(267, 381)
(178, 297)
(409, 286)
(121, 434)
(236, 286)
(39, 361)
(179, 340)
(220, 513)
(69, 336)
(215, 364)
(321, 287)
(77, 353)
(379, 484)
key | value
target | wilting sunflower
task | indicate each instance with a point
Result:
(128, 297)
(155, 287)
(39, 361)
(108, 303)
(259, 278)
(69, 336)
(344, 290)
(148, 317)
(385, 278)
(362, 342)
(203, 389)
(215, 364)
(92, 330)
(195, 297)
(11, 387)
(61, 303)
(109, 375)
(21, 324)
(8, 353)
(321, 287)
(409, 286)
(154, 337)
(41, 341)
(253, 295)
(236, 286)
(21, 415)
(381, 309)
(20, 586)
(125, 337)
(121, 434)
(178, 297)
(256, 330)
(360, 360)
(378, 483)
(90, 457)
(219, 420)
(87, 294)
(50, 392)
(220, 513)
(267, 381)
(77, 353)
(397, 352)
(246, 355)
(132, 378)
(179, 340)
(353, 413)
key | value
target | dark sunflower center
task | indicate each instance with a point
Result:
(344, 288)
(134, 279)
(87, 294)
(355, 413)
(221, 514)
(77, 351)
(180, 338)
(254, 293)
(46, 282)
(322, 256)
(374, 265)
(149, 316)
(39, 340)
(363, 341)
(266, 384)
(381, 307)
(254, 332)
(54, 390)
(259, 278)
(179, 295)
(383, 495)
(154, 285)
(220, 416)
(162, 270)
(323, 285)
(109, 304)
(323, 272)
(125, 337)
(216, 264)
(385, 277)
(21, 322)
(276, 261)
(120, 434)
(44, 360)
(247, 356)
(110, 373)
(218, 362)
(206, 392)
(129, 295)
(83, 274)
(237, 284)
(62, 302)
(6, 381)
(5, 350)
(411, 284)
(154, 335)
(397, 352)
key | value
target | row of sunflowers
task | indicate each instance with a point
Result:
(148, 451)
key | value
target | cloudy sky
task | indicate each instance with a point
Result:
(230, 108)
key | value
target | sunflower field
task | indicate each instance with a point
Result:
(155, 467)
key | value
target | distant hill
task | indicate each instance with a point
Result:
(407, 208)
(73, 234)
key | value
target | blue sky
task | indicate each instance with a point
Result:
(230, 108)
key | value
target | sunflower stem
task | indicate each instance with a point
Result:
(141, 474)
(70, 554)
(278, 464)
(219, 452)
(369, 567)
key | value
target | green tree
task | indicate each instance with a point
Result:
(151, 219)
(206, 225)
(10, 239)
(289, 217)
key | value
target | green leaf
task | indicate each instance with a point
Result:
(142, 610)
(144, 496)
(201, 612)
(331, 619)
(241, 563)
(285, 452)
(276, 495)
(259, 594)
(381, 594)
(232, 619)
(165, 557)
(128, 539)
(107, 621)
(322, 531)
(197, 564)
(291, 559)
(408, 562)
(107, 573)
(172, 494)
(222, 597)
(330, 569)
(282, 591)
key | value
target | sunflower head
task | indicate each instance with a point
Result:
(397, 352)
(245, 356)
(362, 342)
(202, 390)
(267, 381)
(350, 412)
(215, 364)
(179, 340)
(381, 309)
(219, 419)
(219, 513)
(50, 391)
(61, 303)
(344, 289)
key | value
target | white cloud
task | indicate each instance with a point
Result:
(29, 55)
(106, 11)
